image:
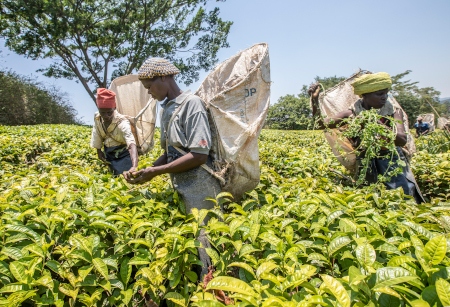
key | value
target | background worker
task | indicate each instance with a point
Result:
(185, 127)
(422, 128)
(373, 90)
(112, 131)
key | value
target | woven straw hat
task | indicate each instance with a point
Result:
(157, 67)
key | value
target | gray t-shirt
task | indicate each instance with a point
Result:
(190, 128)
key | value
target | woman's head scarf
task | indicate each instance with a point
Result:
(157, 67)
(370, 83)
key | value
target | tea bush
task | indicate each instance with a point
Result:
(73, 235)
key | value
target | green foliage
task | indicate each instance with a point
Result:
(73, 235)
(373, 137)
(23, 101)
(289, 113)
(415, 100)
(86, 38)
(439, 142)
(294, 113)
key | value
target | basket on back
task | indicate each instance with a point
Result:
(340, 98)
(134, 101)
(237, 95)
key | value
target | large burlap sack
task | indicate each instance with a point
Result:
(134, 101)
(237, 95)
(429, 118)
(340, 98)
(442, 121)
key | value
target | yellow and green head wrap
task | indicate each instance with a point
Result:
(156, 67)
(369, 83)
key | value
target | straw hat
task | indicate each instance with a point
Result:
(157, 67)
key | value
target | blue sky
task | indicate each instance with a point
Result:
(317, 38)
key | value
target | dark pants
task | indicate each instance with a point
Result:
(119, 157)
(387, 163)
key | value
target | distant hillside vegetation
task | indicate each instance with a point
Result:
(24, 101)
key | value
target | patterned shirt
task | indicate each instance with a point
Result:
(118, 132)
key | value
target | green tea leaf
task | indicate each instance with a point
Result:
(366, 254)
(386, 277)
(265, 267)
(245, 266)
(101, 267)
(435, 250)
(232, 284)
(338, 243)
(442, 289)
(18, 271)
(126, 296)
(176, 298)
(337, 289)
(12, 252)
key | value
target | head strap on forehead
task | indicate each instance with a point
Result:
(370, 83)
(157, 67)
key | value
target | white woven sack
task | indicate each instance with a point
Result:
(442, 121)
(340, 98)
(429, 118)
(237, 94)
(134, 101)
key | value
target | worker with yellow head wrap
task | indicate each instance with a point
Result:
(373, 92)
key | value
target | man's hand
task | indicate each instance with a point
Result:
(127, 174)
(141, 176)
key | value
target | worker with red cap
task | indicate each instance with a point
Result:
(112, 131)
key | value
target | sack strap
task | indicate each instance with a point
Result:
(106, 133)
(204, 166)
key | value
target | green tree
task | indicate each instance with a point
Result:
(289, 113)
(93, 41)
(415, 100)
(23, 101)
(294, 112)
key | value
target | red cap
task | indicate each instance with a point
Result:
(106, 99)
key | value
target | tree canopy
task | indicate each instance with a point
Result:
(416, 100)
(294, 112)
(93, 41)
(24, 101)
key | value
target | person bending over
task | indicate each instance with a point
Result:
(112, 131)
(422, 128)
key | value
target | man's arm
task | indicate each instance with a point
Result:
(328, 122)
(161, 160)
(132, 149)
(187, 162)
(401, 137)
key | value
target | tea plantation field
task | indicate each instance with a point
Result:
(73, 235)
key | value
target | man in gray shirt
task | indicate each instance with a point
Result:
(186, 140)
